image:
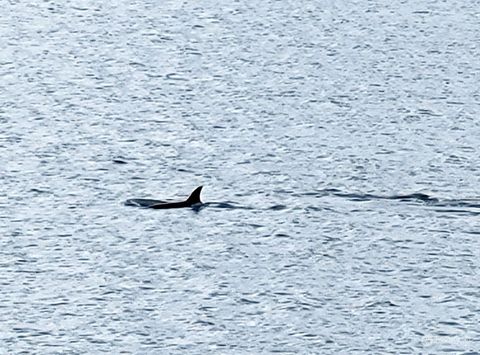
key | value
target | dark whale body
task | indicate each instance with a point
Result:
(192, 200)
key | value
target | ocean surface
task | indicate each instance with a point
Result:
(338, 144)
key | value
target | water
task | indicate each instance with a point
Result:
(309, 124)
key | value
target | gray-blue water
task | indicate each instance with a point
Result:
(306, 122)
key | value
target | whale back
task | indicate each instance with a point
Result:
(193, 199)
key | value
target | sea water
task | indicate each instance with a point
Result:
(337, 143)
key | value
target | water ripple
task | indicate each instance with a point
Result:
(340, 149)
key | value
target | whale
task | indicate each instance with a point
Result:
(192, 201)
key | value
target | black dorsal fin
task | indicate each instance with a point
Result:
(195, 196)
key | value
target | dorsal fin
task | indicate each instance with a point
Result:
(195, 196)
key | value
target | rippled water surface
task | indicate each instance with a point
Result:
(337, 143)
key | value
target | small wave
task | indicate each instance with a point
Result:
(457, 211)
(369, 197)
(278, 207)
(119, 161)
(467, 206)
(233, 206)
(226, 205)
